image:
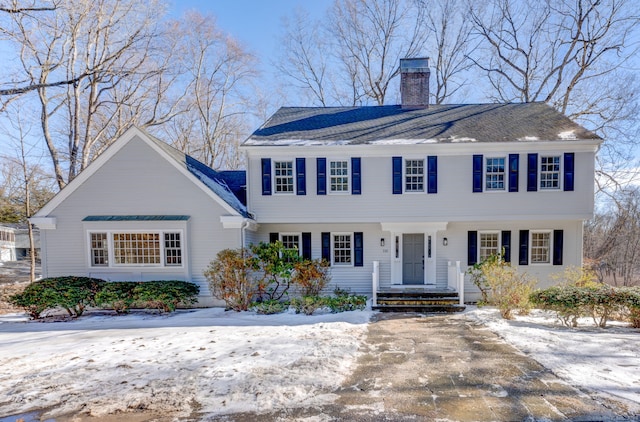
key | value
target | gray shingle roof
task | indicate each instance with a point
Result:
(512, 122)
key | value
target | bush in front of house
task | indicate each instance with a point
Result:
(601, 303)
(311, 276)
(346, 302)
(75, 294)
(308, 304)
(72, 293)
(119, 296)
(502, 285)
(270, 307)
(165, 295)
(230, 277)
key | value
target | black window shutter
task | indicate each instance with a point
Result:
(506, 245)
(301, 178)
(397, 175)
(569, 162)
(432, 174)
(472, 247)
(513, 172)
(356, 188)
(477, 173)
(326, 246)
(358, 249)
(266, 176)
(532, 172)
(557, 247)
(273, 237)
(524, 247)
(306, 245)
(322, 176)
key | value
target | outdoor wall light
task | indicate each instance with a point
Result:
(445, 241)
(382, 241)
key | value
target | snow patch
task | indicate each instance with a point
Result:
(569, 134)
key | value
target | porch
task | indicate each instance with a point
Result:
(420, 298)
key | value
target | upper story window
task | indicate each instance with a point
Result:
(540, 247)
(339, 176)
(414, 176)
(283, 176)
(489, 244)
(342, 249)
(550, 172)
(494, 173)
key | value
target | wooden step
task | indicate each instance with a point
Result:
(418, 300)
(426, 309)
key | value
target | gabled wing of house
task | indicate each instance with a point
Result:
(141, 211)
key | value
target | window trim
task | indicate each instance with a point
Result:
(480, 233)
(505, 167)
(299, 234)
(549, 233)
(424, 175)
(351, 249)
(560, 172)
(329, 176)
(111, 264)
(274, 182)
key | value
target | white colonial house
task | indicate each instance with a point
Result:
(393, 196)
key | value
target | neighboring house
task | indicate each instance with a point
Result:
(23, 247)
(394, 193)
(7, 244)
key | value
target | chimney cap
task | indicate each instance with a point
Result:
(414, 65)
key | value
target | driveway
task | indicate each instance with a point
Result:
(445, 367)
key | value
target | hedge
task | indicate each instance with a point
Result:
(75, 294)
(601, 303)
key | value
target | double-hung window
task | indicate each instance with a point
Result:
(291, 244)
(339, 176)
(414, 176)
(489, 244)
(550, 172)
(99, 250)
(342, 249)
(494, 173)
(123, 248)
(540, 247)
(283, 176)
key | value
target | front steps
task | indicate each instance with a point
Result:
(418, 300)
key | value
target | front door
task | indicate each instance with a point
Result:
(413, 258)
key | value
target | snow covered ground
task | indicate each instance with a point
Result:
(207, 360)
(217, 362)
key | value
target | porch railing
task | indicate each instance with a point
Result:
(375, 281)
(456, 279)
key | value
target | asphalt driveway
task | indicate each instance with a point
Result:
(447, 368)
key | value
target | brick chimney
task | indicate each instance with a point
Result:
(414, 82)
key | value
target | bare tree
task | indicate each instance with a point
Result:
(107, 49)
(612, 240)
(352, 57)
(449, 42)
(26, 185)
(217, 74)
(571, 54)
